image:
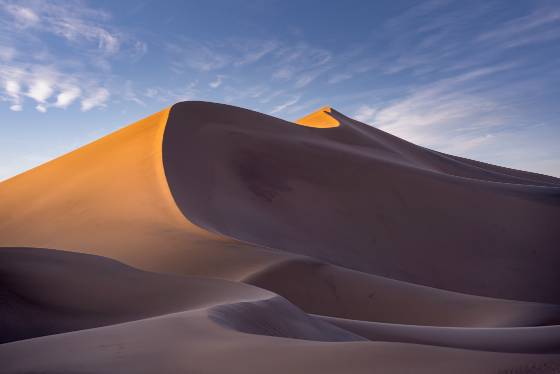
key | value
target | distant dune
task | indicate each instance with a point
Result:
(208, 238)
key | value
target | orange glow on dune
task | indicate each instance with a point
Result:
(320, 119)
(115, 202)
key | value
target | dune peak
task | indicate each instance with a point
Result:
(321, 118)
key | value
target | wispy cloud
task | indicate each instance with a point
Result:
(541, 25)
(303, 107)
(366, 113)
(130, 93)
(217, 82)
(67, 96)
(309, 76)
(70, 20)
(195, 55)
(274, 72)
(286, 104)
(252, 52)
(340, 77)
(25, 17)
(40, 90)
(255, 92)
(301, 64)
(97, 98)
(49, 88)
(188, 91)
(451, 115)
(205, 56)
(13, 91)
(82, 62)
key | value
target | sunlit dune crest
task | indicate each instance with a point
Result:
(321, 118)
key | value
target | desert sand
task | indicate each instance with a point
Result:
(208, 238)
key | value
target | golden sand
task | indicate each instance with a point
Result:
(320, 119)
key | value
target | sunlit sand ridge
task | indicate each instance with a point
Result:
(319, 119)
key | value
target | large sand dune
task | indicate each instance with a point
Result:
(208, 238)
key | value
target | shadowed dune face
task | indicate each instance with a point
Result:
(262, 318)
(259, 245)
(359, 198)
(512, 340)
(329, 290)
(47, 292)
(147, 322)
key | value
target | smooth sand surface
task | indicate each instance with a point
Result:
(208, 238)
(356, 197)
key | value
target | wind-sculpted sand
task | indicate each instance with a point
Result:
(208, 238)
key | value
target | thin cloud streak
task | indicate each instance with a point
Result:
(448, 115)
(285, 105)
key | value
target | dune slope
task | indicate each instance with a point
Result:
(359, 198)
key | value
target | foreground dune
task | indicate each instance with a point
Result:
(208, 238)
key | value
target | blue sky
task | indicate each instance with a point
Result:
(480, 79)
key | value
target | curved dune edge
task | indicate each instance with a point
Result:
(321, 118)
(541, 339)
(324, 289)
(40, 298)
(111, 198)
(49, 292)
(210, 309)
(248, 176)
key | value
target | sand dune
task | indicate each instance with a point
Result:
(162, 323)
(516, 339)
(208, 238)
(331, 290)
(362, 202)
